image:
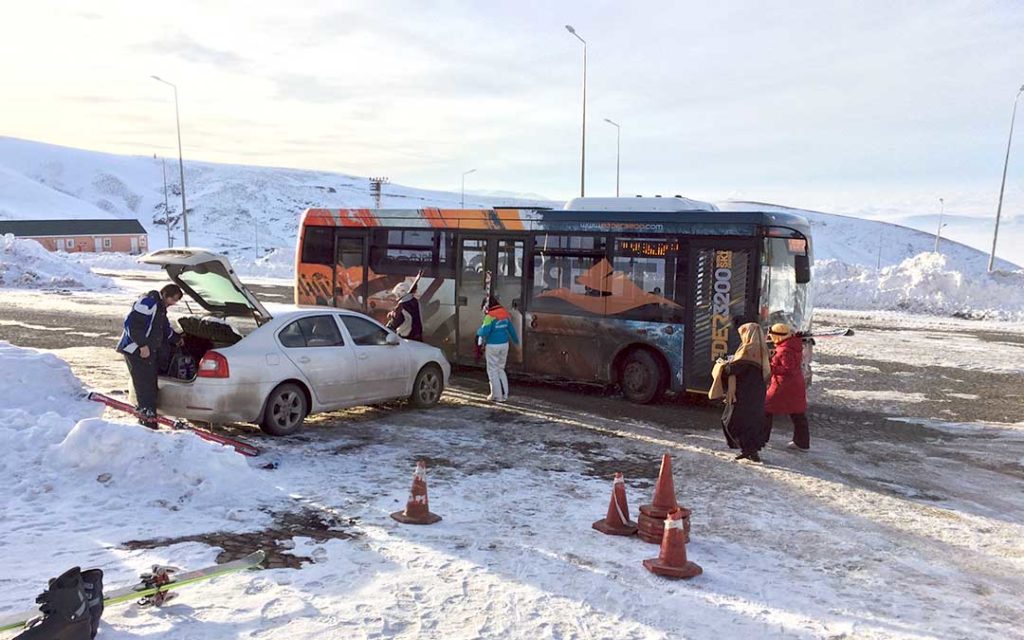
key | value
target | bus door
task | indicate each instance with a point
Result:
(504, 259)
(350, 274)
(722, 295)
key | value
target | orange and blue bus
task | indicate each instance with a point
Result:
(643, 293)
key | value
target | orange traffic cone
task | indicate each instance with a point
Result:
(672, 562)
(617, 522)
(651, 521)
(417, 509)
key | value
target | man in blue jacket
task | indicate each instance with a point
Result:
(146, 332)
(496, 332)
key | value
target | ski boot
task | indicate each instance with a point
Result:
(92, 585)
(65, 611)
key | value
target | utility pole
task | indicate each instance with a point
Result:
(618, 132)
(938, 234)
(1006, 163)
(376, 189)
(583, 144)
(167, 213)
(181, 161)
(256, 230)
(462, 202)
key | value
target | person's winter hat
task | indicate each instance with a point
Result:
(781, 330)
(401, 289)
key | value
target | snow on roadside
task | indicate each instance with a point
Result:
(111, 261)
(26, 264)
(921, 284)
(65, 469)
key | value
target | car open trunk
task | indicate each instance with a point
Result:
(208, 279)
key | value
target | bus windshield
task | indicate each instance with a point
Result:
(782, 298)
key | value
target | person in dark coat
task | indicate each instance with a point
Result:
(405, 319)
(787, 393)
(146, 333)
(746, 377)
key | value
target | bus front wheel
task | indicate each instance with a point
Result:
(641, 378)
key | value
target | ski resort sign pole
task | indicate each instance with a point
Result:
(1006, 162)
(181, 162)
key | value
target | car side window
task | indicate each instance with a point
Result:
(315, 331)
(365, 333)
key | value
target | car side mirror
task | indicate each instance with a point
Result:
(393, 340)
(803, 268)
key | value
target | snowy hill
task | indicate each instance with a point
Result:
(873, 243)
(252, 213)
(232, 208)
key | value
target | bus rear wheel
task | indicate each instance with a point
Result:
(641, 377)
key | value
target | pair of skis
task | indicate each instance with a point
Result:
(153, 588)
(243, 448)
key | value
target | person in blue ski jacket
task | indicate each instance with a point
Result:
(146, 332)
(496, 332)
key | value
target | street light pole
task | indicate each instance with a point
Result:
(618, 131)
(583, 144)
(938, 234)
(464, 174)
(1006, 163)
(181, 162)
(167, 213)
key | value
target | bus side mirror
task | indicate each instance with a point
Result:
(803, 268)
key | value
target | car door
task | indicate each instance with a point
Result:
(316, 346)
(382, 368)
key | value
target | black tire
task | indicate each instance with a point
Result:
(285, 410)
(641, 377)
(428, 387)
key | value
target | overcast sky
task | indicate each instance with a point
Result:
(869, 107)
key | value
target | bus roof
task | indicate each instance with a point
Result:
(639, 203)
(621, 220)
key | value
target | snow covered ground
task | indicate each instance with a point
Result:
(887, 529)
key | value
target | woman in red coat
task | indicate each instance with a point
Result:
(787, 392)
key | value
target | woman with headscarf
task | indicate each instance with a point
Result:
(746, 377)
(787, 393)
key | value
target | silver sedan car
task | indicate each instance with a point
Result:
(292, 364)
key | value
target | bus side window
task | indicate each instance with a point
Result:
(318, 245)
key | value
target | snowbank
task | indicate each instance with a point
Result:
(111, 261)
(921, 284)
(277, 263)
(26, 264)
(123, 457)
(54, 442)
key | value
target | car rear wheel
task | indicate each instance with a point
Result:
(285, 410)
(427, 389)
(641, 378)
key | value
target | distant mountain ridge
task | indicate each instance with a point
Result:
(237, 208)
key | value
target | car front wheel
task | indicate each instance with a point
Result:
(285, 410)
(426, 390)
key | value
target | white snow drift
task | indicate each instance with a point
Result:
(26, 264)
(921, 284)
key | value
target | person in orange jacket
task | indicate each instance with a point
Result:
(787, 393)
